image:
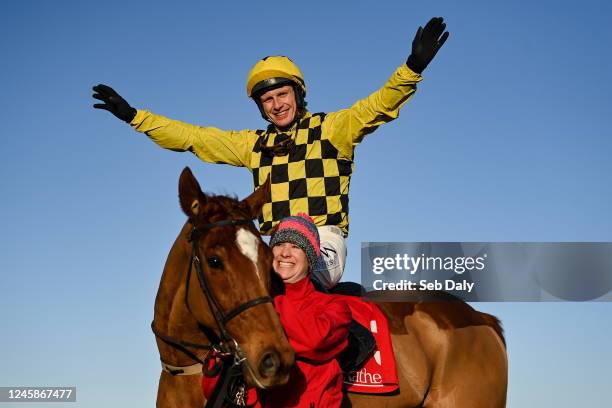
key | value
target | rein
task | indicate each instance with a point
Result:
(225, 346)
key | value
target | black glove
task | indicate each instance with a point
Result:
(113, 102)
(426, 44)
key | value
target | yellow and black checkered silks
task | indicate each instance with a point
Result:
(312, 178)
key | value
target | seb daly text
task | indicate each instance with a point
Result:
(404, 272)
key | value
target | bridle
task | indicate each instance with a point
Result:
(225, 345)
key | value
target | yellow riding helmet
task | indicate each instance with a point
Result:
(272, 72)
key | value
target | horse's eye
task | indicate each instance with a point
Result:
(215, 262)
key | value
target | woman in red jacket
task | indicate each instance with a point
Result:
(316, 323)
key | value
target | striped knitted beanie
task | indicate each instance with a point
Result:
(300, 231)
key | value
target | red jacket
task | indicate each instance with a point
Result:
(316, 325)
(317, 328)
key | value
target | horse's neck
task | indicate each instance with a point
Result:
(172, 318)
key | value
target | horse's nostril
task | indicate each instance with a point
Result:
(269, 364)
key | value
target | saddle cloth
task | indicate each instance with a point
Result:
(378, 375)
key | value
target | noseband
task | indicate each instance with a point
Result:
(226, 346)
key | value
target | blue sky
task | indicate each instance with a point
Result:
(507, 139)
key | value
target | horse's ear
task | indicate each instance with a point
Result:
(190, 195)
(257, 199)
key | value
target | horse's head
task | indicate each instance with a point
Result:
(229, 280)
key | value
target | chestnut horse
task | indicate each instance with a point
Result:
(447, 353)
(215, 291)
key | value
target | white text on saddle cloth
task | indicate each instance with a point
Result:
(363, 377)
(378, 374)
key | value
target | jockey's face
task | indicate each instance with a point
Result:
(290, 262)
(280, 106)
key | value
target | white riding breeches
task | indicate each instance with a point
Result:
(333, 256)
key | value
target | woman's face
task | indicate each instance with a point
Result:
(290, 262)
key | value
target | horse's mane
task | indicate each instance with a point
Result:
(219, 206)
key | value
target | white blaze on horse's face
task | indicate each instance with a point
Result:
(248, 245)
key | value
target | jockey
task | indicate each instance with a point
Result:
(308, 156)
(316, 323)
